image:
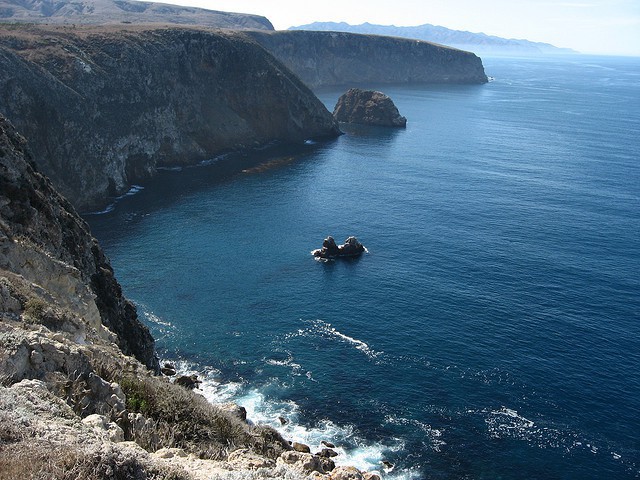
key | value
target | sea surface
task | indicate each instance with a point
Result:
(492, 331)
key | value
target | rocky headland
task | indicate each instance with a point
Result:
(479, 43)
(337, 59)
(103, 107)
(80, 390)
(368, 107)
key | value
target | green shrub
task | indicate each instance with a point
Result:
(36, 308)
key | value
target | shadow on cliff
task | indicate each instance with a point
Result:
(170, 185)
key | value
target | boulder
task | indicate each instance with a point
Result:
(368, 107)
(234, 410)
(188, 381)
(168, 369)
(244, 459)
(346, 473)
(301, 447)
(328, 453)
(301, 461)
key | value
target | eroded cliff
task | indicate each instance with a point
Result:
(103, 107)
(44, 242)
(73, 403)
(333, 58)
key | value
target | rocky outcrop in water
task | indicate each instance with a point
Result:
(368, 107)
(351, 248)
(332, 58)
(103, 107)
(99, 12)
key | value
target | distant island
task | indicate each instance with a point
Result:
(479, 43)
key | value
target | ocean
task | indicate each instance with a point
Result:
(492, 331)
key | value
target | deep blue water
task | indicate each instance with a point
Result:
(493, 329)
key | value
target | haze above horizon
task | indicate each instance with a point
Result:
(609, 27)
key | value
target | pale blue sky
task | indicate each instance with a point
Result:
(589, 26)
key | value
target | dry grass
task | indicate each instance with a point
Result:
(181, 418)
(41, 460)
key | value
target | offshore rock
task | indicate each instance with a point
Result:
(337, 59)
(104, 107)
(368, 107)
(351, 248)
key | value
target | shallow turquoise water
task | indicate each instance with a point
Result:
(493, 329)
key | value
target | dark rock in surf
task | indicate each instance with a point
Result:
(168, 369)
(328, 453)
(301, 447)
(368, 107)
(188, 381)
(351, 248)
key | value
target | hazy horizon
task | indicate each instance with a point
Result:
(588, 26)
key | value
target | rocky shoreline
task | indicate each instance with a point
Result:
(80, 395)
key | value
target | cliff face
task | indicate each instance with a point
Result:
(71, 404)
(332, 58)
(100, 12)
(104, 106)
(43, 241)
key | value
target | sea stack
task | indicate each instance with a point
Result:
(368, 107)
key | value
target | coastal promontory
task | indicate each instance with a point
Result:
(104, 107)
(338, 59)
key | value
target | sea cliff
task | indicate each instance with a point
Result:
(79, 394)
(103, 107)
(338, 59)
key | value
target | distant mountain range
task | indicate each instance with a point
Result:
(100, 12)
(476, 42)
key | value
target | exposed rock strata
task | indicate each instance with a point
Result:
(104, 106)
(332, 58)
(72, 405)
(98, 12)
(368, 107)
(45, 242)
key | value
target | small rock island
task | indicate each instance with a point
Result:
(368, 107)
(351, 248)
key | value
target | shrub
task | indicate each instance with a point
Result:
(184, 419)
(37, 459)
(36, 308)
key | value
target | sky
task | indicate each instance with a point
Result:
(588, 26)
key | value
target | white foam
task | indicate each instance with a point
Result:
(320, 328)
(433, 436)
(352, 450)
(170, 169)
(132, 191)
(109, 208)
